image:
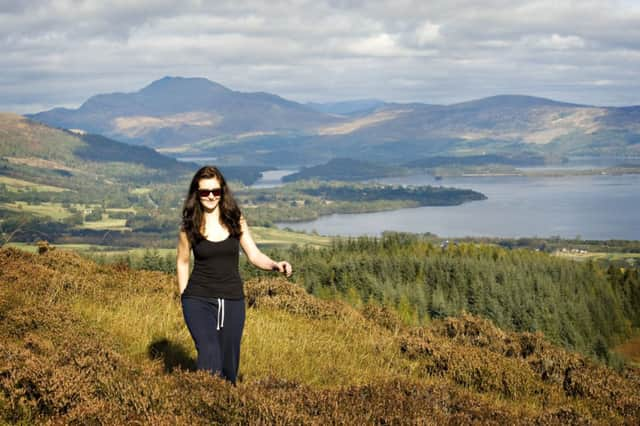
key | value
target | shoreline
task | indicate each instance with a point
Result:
(559, 173)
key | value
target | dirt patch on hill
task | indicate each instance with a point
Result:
(352, 126)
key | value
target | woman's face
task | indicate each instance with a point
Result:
(209, 193)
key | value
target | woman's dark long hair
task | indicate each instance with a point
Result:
(193, 213)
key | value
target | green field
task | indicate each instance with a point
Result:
(130, 210)
(141, 191)
(53, 210)
(274, 237)
(106, 224)
(631, 258)
(19, 184)
(57, 211)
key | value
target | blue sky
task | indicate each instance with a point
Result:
(59, 53)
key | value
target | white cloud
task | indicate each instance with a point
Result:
(559, 42)
(60, 52)
(603, 83)
(427, 33)
(378, 45)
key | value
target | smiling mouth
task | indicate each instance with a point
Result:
(210, 202)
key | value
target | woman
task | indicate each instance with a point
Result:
(212, 297)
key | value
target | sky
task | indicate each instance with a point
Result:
(61, 52)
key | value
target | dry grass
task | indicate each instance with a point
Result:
(329, 343)
(84, 343)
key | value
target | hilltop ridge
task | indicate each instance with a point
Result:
(112, 348)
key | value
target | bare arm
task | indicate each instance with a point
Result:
(256, 257)
(182, 261)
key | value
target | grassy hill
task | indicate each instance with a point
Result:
(84, 343)
(35, 152)
(24, 138)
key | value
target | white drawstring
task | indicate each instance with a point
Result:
(220, 314)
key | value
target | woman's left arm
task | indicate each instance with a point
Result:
(257, 257)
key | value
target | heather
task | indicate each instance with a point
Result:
(84, 343)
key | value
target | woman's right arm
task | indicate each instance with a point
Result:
(182, 261)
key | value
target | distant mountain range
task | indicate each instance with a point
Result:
(197, 117)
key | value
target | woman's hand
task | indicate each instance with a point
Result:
(284, 267)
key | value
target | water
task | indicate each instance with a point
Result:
(272, 178)
(591, 207)
(199, 160)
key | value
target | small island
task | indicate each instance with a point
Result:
(308, 200)
(345, 169)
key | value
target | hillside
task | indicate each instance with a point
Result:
(195, 116)
(113, 349)
(35, 152)
(519, 290)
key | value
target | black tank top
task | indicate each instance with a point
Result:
(215, 270)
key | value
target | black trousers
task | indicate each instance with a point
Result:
(216, 328)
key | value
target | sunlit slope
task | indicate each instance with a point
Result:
(22, 139)
(33, 152)
(96, 344)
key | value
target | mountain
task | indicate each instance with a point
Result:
(502, 125)
(175, 110)
(197, 117)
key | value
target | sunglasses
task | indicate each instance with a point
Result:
(204, 193)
